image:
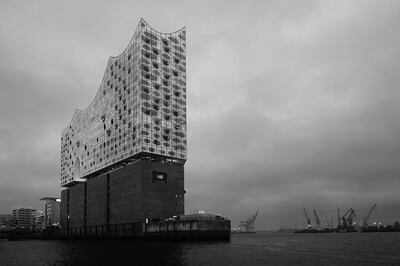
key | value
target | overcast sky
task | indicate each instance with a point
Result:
(291, 104)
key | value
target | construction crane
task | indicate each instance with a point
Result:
(307, 218)
(348, 218)
(317, 220)
(248, 225)
(366, 218)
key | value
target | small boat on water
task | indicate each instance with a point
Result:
(314, 230)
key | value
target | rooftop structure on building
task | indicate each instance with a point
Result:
(139, 110)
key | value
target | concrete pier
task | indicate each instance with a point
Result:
(177, 230)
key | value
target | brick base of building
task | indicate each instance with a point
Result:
(142, 190)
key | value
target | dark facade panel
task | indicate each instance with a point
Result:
(63, 208)
(162, 198)
(77, 205)
(96, 213)
(126, 194)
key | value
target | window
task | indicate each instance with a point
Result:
(159, 177)
(146, 111)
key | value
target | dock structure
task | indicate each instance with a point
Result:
(183, 228)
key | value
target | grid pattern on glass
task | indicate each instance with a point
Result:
(139, 107)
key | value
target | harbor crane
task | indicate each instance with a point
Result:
(366, 218)
(307, 218)
(317, 220)
(248, 225)
(348, 218)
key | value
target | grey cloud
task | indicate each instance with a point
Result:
(290, 104)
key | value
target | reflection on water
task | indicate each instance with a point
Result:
(38, 252)
(258, 249)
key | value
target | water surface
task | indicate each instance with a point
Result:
(257, 249)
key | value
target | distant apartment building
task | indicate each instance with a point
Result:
(22, 218)
(51, 211)
(27, 218)
(38, 220)
(5, 221)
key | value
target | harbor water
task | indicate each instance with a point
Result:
(244, 249)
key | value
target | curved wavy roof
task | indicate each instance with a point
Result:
(111, 58)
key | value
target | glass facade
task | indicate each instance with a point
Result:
(139, 108)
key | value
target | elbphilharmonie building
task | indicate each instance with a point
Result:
(122, 157)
